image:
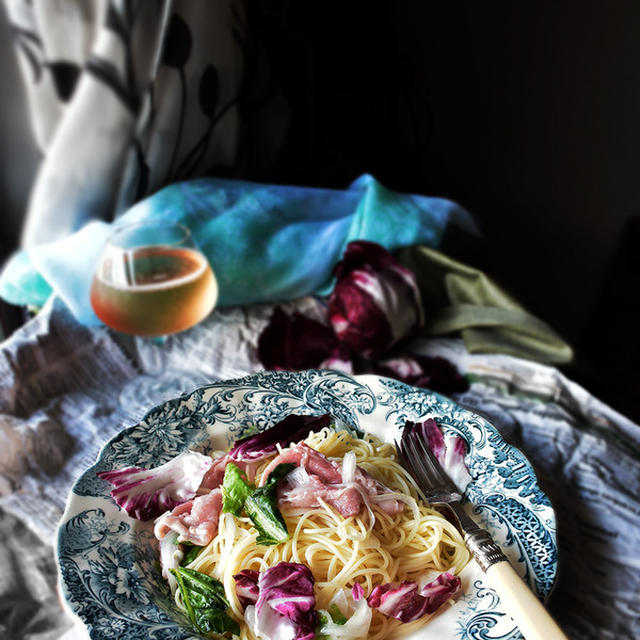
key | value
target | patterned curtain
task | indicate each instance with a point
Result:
(126, 96)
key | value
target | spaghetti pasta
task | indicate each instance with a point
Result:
(371, 548)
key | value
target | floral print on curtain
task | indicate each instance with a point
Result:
(127, 96)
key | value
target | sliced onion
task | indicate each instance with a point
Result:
(171, 556)
(298, 477)
(348, 467)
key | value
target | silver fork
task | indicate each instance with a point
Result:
(523, 606)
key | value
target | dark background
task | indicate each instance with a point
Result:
(526, 113)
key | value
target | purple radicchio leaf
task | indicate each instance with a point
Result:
(294, 343)
(435, 373)
(375, 301)
(357, 591)
(450, 452)
(407, 603)
(430, 433)
(292, 429)
(247, 587)
(147, 493)
(454, 464)
(285, 605)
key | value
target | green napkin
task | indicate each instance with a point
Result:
(460, 298)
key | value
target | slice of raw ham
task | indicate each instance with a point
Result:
(312, 461)
(195, 521)
(215, 475)
(384, 497)
(301, 491)
(317, 478)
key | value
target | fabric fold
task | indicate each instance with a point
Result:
(265, 242)
(460, 298)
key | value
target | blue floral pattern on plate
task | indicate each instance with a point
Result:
(108, 561)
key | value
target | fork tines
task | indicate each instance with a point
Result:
(429, 475)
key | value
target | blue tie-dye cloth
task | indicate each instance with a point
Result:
(264, 242)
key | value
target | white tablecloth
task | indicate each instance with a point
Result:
(65, 390)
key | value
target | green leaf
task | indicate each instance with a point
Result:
(217, 621)
(323, 619)
(190, 554)
(262, 507)
(185, 594)
(336, 615)
(205, 585)
(326, 618)
(205, 601)
(235, 489)
(278, 473)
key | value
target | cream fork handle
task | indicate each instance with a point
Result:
(533, 620)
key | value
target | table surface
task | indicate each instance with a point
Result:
(65, 390)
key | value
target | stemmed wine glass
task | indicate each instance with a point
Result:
(151, 280)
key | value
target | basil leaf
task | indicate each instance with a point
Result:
(235, 489)
(205, 602)
(262, 507)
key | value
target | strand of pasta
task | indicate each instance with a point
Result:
(341, 551)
